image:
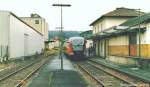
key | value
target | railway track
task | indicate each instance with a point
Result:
(103, 78)
(124, 76)
(16, 66)
(99, 83)
(8, 73)
(19, 77)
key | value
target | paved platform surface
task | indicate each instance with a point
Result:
(134, 71)
(51, 76)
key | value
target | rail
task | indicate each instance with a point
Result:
(92, 76)
(10, 74)
(120, 73)
(116, 74)
(22, 82)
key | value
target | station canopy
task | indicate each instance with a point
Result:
(117, 30)
(112, 31)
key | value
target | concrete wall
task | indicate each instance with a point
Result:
(24, 41)
(118, 46)
(118, 50)
(4, 33)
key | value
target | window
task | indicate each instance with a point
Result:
(36, 21)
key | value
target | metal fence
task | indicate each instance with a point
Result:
(3, 53)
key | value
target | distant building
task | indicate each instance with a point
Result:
(54, 44)
(17, 38)
(109, 40)
(39, 24)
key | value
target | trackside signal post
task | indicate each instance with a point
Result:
(61, 32)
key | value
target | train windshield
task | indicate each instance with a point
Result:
(78, 41)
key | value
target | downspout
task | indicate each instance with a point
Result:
(8, 47)
(139, 36)
(105, 48)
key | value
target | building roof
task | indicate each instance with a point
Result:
(137, 20)
(21, 21)
(33, 16)
(25, 23)
(120, 12)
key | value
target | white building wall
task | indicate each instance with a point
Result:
(35, 42)
(4, 25)
(16, 38)
(99, 26)
(106, 23)
(109, 21)
(146, 35)
(19, 46)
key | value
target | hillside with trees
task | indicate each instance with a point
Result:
(67, 34)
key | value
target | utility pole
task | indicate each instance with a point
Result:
(61, 31)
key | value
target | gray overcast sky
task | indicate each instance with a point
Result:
(77, 17)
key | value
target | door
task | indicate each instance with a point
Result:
(102, 48)
(106, 47)
(132, 44)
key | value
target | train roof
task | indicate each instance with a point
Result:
(72, 38)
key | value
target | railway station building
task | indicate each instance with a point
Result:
(122, 36)
(17, 38)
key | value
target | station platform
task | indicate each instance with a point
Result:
(52, 76)
(141, 74)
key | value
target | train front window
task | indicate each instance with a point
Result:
(78, 42)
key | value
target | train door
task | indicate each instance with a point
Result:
(132, 44)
